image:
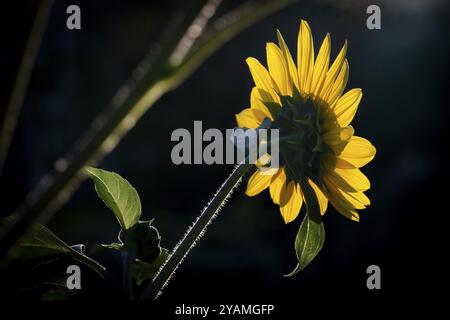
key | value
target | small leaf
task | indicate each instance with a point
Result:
(38, 241)
(142, 271)
(311, 234)
(41, 242)
(118, 195)
(308, 243)
(114, 245)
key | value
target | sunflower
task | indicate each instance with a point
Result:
(306, 102)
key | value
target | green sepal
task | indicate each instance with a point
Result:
(143, 239)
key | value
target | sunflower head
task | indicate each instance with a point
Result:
(307, 104)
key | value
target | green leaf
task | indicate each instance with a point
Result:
(311, 234)
(41, 242)
(308, 243)
(118, 195)
(142, 271)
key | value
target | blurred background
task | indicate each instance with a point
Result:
(403, 69)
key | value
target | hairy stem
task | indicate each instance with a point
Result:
(195, 232)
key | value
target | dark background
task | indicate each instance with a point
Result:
(402, 68)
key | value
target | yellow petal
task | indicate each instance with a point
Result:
(342, 206)
(257, 98)
(257, 183)
(288, 58)
(361, 197)
(358, 200)
(346, 211)
(357, 153)
(262, 163)
(262, 78)
(321, 66)
(346, 107)
(263, 160)
(278, 186)
(321, 198)
(278, 70)
(292, 201)
(268, 171)
(339, 85)
(333, 72)
(338, 138)
(348, 180)
(347, 198)
(305, 57)
(250, 118)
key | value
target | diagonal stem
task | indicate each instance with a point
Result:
(195, 232)
(22, 78)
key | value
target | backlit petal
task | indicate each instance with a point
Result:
(321, 198)
(347, 197)
(333, 72)
(262, 78)
(358, 152)
(339, 85)
(289, 61)
(257, 183)
(346, 107)
(257, 97)
(278, 70)
(250, 118)
(321, 66)
(361, 197)
(338, 137)
(305, 57)
(291, 202)
(348, 180)
(342, 206)
(278, 186)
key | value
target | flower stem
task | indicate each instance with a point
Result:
(127, 258)
(22, 78)
(195, 232)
